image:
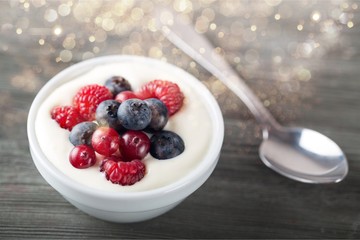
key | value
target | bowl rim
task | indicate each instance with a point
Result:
(68, 73)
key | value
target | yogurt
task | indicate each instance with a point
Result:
(192, 123)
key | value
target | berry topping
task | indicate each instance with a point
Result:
(66, 116)
(123, 173)
(125, 95)
(82, 133)
(168, 92)
(96, 120)
(105, 141)
(82, 156)
(117, 84)
(134, 114)
(159, 114)
(106, 114)
(166, 144)
(88, 98)
(134, 145)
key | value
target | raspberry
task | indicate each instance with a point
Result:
(88, 98)
(123, 173)
(168, 92)
(66, 116)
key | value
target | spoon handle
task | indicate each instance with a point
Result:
(201, 50)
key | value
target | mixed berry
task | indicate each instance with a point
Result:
(134, 145)
(66, 116)
(113, 124)
(88, 98)
(169, 93)
(134, 114)
(166, 144)
(82, 156)
(123, 173)
(82, 133)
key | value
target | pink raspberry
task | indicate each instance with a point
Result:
(66, 116)
(88, 98)
(123, 173)
(168, 92)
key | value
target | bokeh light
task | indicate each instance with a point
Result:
(267, 42)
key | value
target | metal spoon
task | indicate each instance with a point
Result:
(297, 153)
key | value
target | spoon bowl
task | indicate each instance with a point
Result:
(303, 155)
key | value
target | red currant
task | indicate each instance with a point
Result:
(125, 95)
(82, 156)
(134, 145)
(105, 141)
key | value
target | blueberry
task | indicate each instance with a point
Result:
(166, 144)
(159, 114)
(82, 133)
(117, 84)
(134, 114)
(106, 114)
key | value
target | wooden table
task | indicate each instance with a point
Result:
(307, 80)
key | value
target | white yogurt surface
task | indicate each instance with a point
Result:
(192, 123)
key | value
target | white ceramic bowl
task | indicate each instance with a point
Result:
(125, 206)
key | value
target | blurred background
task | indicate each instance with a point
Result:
(277, 46)
(301, 58)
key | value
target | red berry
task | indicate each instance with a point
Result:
(66, 116)
(125, 95)
(146, 91)
(168, 92)
(82, 156)
(123, 173)
(134, 145)
(88, 98)
(105, 141)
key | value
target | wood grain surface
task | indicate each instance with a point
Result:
(241, 199)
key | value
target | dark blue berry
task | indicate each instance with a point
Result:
(106, 114)
(82, 133)
(134, 114)
(166, 144)
(159, 114)
(117, 84)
